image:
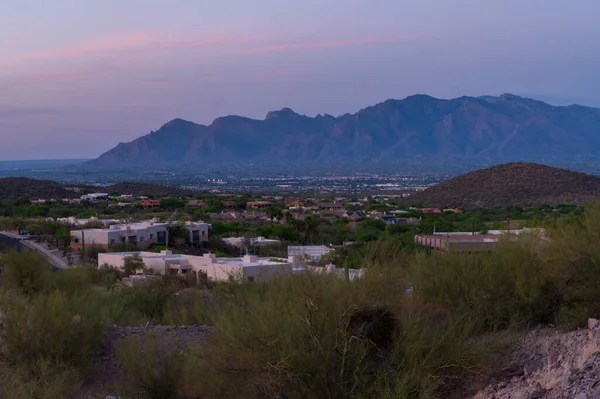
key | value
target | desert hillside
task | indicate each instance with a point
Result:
(519, 184)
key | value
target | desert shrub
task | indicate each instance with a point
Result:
(42, 379)
(74, 281)
(574, 260)
(92, 251)
(151, 297)
(54, 327)
(324, 337)
(151, 372)
(133, 264)
(497, 290)
(26, 272)
(189, 307)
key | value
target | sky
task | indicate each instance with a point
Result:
(79, 76)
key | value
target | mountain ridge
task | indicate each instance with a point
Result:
(497, 128)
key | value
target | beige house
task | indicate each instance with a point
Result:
(203, 268)
(459, 242)
(142, 235)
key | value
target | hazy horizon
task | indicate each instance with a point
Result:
(78, 77)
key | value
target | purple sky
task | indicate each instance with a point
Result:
(79, 76)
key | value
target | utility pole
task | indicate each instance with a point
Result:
(83, 245)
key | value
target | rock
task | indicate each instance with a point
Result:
(534, 364)
(593, 323)
(581, 395)
(538, 393)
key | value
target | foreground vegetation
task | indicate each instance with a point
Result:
(418, 325)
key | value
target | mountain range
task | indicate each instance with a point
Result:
(417, 128)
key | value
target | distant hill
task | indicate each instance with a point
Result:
(38, 164)
(138, 189)
(519, 184)
(20, 187)
(418, 128)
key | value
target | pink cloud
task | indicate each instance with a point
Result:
(141, 43)
(134, 44)
(58, 76)
(129, 46)
(119, 43)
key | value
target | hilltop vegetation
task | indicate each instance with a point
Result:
(21, 187)
(512, 184)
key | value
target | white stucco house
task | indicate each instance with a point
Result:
(204, 268)
(313, 253)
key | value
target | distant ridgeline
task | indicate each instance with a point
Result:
(398, 135)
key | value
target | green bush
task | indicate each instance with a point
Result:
(151, 373)
(42, 379)
(497, 290)
(189, 307)
(26, 272)
(150, 298)
(54, 327)
(300, 336)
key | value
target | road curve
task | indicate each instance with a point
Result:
(17, 242)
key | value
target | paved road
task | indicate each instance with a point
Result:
(18, 242)
(10, 241)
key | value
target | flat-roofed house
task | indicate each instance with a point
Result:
(330, 206)
(258, 204)
(313, 253)
(459, 242)
(142, 235)
(203, 268)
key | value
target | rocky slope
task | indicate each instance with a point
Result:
(519, 184)
(549, 363)
(416, 128)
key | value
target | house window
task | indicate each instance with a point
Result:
(112, 241)
(203, 232)
(141, 238)
(76, 240)
(151, 236)
(251, 279)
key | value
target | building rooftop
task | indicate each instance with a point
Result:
(245, 261)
